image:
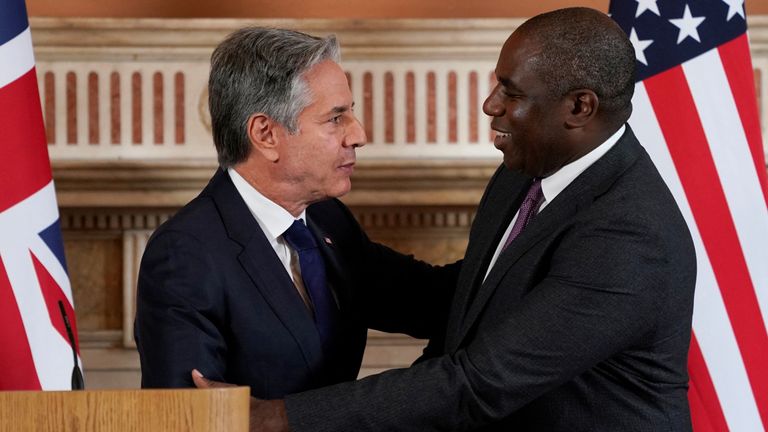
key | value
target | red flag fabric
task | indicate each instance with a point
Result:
(695, 111)
(36, 354)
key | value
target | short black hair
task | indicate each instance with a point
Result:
(582, 48)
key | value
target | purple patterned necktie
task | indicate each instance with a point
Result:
(528, 210)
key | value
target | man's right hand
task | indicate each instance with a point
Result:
(265, 415)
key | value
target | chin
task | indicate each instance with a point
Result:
(340, 190)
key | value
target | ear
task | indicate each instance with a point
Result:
(262, 133)
(582, 107)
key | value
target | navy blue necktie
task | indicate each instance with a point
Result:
(312, 267)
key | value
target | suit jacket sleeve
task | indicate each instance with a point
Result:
(569, 322)
(176, 312)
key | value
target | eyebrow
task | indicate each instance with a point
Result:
(506, 82)
(341, 109)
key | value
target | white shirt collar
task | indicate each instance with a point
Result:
(272, 218)
(554, 184)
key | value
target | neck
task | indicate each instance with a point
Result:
(276, 191)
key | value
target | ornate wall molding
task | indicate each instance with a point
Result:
(93, 220)
(152, 38)
(193, 39)
(171, 184)
(758, 34)
(134, 89)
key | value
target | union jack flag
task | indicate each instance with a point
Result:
(36, 353)
(695, 112)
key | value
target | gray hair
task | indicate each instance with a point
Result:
(260, 70)
(583, 48)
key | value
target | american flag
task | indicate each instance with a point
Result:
(36, 353)
(695, 111)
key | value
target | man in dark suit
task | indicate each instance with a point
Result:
(574, 301)
(246, 282)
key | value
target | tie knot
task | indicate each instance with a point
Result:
(299, 237)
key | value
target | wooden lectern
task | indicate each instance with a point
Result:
(187, 410)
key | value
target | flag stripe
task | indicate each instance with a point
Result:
(13, 20)
(727, 140)
(47, 257)
(24, 162)
(738, 67)
(16, 361)
(706, 413)
(52, 294)
(710, 319)
(17, 57)
(51, 354)
(699, 419)
(20, 247)
(24, 225)
(671, 100)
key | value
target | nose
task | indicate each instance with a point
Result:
(355, 134)
(492, 105)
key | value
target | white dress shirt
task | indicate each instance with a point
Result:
(554, 184)
(274, 221)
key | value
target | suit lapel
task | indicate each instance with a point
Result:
(264, 268)
(580, 193)
(497, 210)
(266, 271)
(547, 223)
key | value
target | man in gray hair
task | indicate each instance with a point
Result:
(258, 281)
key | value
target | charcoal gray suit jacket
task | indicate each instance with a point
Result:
(582, 324)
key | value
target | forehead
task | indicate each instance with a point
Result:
(519, 50)
(325, 70)
(518, 59)
(328, 83)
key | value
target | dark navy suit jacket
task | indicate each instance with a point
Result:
(213, 295)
